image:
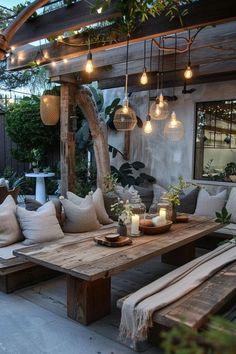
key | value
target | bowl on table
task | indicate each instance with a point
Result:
(153, 230)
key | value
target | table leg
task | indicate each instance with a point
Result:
(88, 301)
(180, 256)
(40, 194)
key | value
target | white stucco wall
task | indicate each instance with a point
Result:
(165, 160)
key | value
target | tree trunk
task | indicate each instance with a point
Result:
(98, 130)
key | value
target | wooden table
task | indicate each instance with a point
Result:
(89, 266)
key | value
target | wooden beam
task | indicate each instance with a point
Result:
(62, 20)
(159, 26)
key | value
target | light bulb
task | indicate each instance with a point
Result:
(38, 61)
(174, 129)
(157, 109)
(60, 38)
(147, 125)
(99, 10)
(65, 60)
(161, 101)
(125, 109)
(188, 72)
(144, 78)
(89, 64)
(173, 121)
(53, 63)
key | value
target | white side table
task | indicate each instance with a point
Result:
(40, 192)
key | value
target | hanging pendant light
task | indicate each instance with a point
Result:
(89, 62)
(147, 126)
(174, 129)
(125, 117)
(159, 108)
(144, 78)
(188, 74)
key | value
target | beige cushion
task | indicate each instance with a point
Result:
(231, 204)
(9, 228)
(41, 225)
(207, 204)
(98, 202)
(80, 218)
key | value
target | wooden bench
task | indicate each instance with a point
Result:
(195, 308)
(16, 274)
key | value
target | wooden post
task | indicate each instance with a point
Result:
(88, 301)
(67, 147)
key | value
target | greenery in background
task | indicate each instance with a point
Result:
(230, 169)
(219, 338)
(110, 183)
(86, 178)
(25, 128)
(223, 217)
(126, 176)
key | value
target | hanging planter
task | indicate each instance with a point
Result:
(50, 106)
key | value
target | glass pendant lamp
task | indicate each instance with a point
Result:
(159, 108)
(174, 129)
(125, 117)
(188, 74)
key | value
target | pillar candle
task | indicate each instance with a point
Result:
(163, 212)
(135, 225)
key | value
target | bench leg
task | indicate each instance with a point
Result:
(179, 256)
(88, 301)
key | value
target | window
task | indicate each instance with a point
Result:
(215, 144)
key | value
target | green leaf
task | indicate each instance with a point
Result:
(138, 165)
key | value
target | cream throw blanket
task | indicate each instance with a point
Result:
(138, 308)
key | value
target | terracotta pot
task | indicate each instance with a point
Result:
(50, 109)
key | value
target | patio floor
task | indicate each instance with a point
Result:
(33, 320)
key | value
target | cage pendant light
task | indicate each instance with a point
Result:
(159, 108)
(125, 117)
(174, 129)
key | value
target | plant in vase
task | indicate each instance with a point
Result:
(36, 158)
(173, 194)
(123, 211)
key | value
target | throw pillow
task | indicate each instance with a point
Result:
(231, 204)
(98, 202)
(188, 202)
(146, 195)
(79, 218)
(33, 205)
(9, 227)
(41, 225)
(207, 204)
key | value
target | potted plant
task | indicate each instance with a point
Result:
(123, 211)
(36, 158)
(50, 106)
(109, 194)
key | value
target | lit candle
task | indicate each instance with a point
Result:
(135, 225)
(163, 213)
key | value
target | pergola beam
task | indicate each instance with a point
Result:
(62, 20)
(197, 16)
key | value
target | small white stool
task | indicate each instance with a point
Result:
(40, 192)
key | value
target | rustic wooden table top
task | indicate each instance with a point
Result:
(81, 257)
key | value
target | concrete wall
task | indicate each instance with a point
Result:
(165, 160)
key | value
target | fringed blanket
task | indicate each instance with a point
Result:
(138, 308)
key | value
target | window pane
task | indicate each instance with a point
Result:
(215, 145)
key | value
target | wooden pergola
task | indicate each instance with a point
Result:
(212, 57)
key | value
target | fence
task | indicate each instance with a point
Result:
(6, 160)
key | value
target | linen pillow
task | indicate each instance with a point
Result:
(98, 202)
(9, 228)
(33, 205)
(80, 218)
(207, 204)
(41, 225)
(188, 202)
(231, 204)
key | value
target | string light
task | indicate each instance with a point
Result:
(99, 10)
(53, 63)
(60, 38)
(144, 78)
(65, 60)
(89, 62)
(188, 74)
(147, 125)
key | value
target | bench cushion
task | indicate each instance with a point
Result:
(9, 227)
(207, 204)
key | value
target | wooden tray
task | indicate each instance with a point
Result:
(122, 241)
(153, 230)
(182, 218)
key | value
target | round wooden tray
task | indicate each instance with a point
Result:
(122, 241)
(153, 230)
